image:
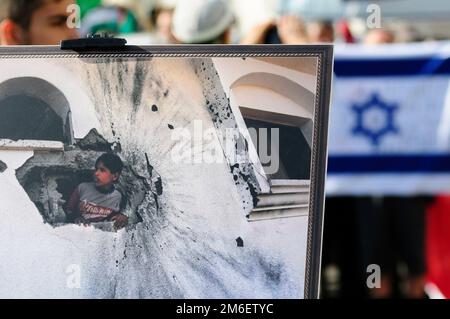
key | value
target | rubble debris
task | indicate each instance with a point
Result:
(95, 142)
(3, 167)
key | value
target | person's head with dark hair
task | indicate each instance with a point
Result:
(33, 22)
(161, 20)
(288, 29)
(379, 36)
(320, 31)
(108, 168)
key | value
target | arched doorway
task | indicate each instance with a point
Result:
(33, 109)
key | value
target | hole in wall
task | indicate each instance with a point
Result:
(49, 178)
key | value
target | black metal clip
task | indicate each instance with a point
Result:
(95, 41)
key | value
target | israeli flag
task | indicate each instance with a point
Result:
(390, 120)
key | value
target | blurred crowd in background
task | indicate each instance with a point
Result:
(359, 230)
(244, 22)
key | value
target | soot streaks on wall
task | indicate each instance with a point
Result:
(193, 260)
(223, 118)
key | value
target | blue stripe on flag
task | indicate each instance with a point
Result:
(389, 164)
(391, 67)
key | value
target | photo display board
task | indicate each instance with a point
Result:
(163, 171)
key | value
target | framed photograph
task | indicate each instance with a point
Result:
(163, 171)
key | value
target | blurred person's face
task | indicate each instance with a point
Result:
(378, 36)
(320, 33)
(164, 25)
(48, 26)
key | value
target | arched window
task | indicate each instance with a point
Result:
(34, 109)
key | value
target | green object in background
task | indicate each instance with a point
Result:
(129, 24)
(86, 5)
(111, 19)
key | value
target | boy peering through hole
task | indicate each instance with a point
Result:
(99, 201)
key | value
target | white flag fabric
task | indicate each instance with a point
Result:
(390, 120)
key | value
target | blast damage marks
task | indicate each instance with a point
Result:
(182, 239)
(222, 116)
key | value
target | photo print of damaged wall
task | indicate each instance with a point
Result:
(162, 172)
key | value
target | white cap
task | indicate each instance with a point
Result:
(197, 21)
(169, 4)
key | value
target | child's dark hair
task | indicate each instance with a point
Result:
(111, 162)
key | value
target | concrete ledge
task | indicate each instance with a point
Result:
(27, 145)
(278, 212)
(287, 198)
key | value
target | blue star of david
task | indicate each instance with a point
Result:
(375, 135)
